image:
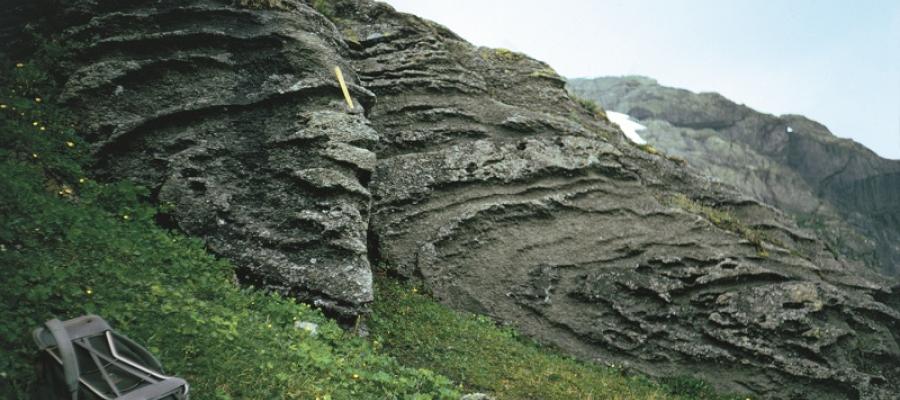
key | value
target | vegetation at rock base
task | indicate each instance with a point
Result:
(70, 245)
(473, 350)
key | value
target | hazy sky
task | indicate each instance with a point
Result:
(837, 62)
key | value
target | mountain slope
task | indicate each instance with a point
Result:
(473, 171)
(836, 185)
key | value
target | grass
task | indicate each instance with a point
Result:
(473, 350)
(727, 221)
(70, 245)
(649, 149)
(262, 4)
(590, 106)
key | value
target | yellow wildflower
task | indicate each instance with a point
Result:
(3, 106)
(355, 376)
(19, 65)
(70, 144)
(80, 180)
(37, 99)
(35, 123)
(89, 291)
(125, 217)
(34, 155)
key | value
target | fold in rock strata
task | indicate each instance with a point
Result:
(232, 115)
(490, 184)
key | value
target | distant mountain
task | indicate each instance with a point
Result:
(846, 192)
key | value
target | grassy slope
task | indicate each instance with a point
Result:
(70, 246)
(473, 350)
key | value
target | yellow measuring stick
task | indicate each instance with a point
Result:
(340, 77)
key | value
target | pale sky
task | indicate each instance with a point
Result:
(837, 62)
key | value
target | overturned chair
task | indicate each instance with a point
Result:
(83, 358)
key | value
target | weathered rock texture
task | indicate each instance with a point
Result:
(836, 186)
(233, 116)
(490, 184)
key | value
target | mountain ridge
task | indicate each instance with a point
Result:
(810, 171)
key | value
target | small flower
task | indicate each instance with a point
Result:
(43, 128)
(125, 217)
(67, 190)
(34, 155)
(81, 180)
(89, 291)
(35, 123)
(415, 290)
(355, 376)
(2, 106)
(70, 144)
(19, 65)
(37, 99)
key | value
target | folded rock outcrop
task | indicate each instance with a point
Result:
(475, 172)
(232, 116)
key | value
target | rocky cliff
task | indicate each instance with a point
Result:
(472, 170)
(839, 188)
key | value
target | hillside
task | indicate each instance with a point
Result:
(839, 188)
(472, 174)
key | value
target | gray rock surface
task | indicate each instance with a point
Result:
(474, 172)
(234, 118)
(844, 191)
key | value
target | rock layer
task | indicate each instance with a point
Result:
(486, 181)
(232, 116)
(508, 199)
(836, 186)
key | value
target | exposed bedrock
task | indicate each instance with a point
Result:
(474, 172)
(234, 118)
(508, 199)
(844, 191)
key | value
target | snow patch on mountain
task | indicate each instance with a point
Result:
(628, 126)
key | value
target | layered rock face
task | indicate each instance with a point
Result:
(233, 117)
(476, 173)
(836, 186)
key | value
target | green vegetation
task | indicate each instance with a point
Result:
(70, 246)
(500, 54)
(590, 106)
(473, 350)
(324, 7)
(725, 220)
(648, 148)
(262, 4)
(546, 73)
